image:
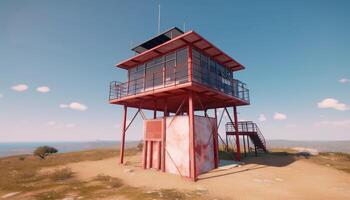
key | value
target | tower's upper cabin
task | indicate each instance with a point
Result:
(176, 60)
(173, 39)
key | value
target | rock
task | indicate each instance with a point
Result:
(201, 189)
(278, 179)
(126, 163)
(128, 171)
(160, 194)
(306, 151)
(10, 195)
(68, 198)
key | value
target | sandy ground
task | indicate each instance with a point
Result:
(266, 177)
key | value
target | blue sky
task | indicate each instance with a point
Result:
(296, 53)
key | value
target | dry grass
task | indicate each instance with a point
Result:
(61, 174)
(21, 173)
(340, 161)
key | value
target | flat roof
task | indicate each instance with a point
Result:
(188, 38)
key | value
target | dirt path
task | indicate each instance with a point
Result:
(268, 177)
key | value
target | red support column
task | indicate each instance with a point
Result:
(155, 110)
(193, 173)
(159, 147)
(122, 142)
(164, 136)
(150, 143)
(238, 155)
(216, 143)
(145, 145)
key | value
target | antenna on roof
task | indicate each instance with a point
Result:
(184, 26)
(158, 18)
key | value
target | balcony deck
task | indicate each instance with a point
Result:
(213, 92)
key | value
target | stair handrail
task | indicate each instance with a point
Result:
(246, 126)
(261, 136)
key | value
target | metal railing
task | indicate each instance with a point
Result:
(246, 126)
(227, 85)
(150, 83)
(230, 86)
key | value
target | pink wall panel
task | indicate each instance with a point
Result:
(177, 145)
(177, 155)
(152, 163)
(204, 130)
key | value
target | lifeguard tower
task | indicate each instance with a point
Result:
(179, 74)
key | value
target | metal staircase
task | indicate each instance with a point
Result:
(249, 130)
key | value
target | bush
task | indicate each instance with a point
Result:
(111, 181)
(61, 174)
(139, 146)
(21, 158)
(44, 151)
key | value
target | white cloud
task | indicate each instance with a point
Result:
(19, 87)
(262, 118)
(332, 103)
(70, 125)
(43, 89)
(74, 106)
(334, 123)
(77, 106)
(51, 123)
(64, 106)
(279, 116)
(1, 95)
(344, 80)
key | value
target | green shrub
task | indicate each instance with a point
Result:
(44, 151)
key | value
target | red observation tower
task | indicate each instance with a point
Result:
(181, 74)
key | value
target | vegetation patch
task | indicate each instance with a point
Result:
(22, 176)
(61, 174)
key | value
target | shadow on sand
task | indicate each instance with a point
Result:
(250, 162)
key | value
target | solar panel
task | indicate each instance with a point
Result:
(158, 40)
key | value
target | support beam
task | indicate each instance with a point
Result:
(155, 110)
(238, 155)
(216, 142)
(145, 150)
(226, 143)
(256, 152)
(150, 143)
(122, 144)
(164, 136)
(193, 173)
(245, 152)
(132, 120)
(248, 144)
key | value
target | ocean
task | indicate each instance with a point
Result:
(19, 148)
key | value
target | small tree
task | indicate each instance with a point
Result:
(44, 151)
